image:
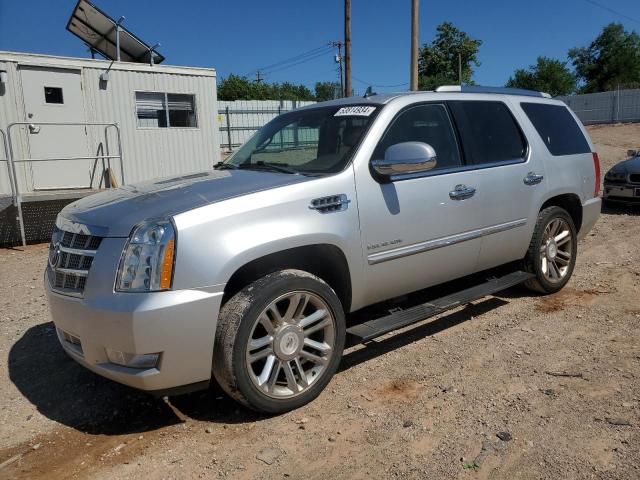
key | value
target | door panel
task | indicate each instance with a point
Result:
(415, 235)
(55, 96)
(419, 231)
(510, 179)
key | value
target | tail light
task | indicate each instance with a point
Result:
(596, 167)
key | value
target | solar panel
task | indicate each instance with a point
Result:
(98, 31)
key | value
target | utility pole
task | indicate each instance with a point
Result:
(339, 60)
(460, 68)
(259, 77)
(347, 48)
(414, 44)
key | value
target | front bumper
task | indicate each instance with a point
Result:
(623, 193)
(179, 325)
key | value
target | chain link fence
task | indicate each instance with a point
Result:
(606, 107)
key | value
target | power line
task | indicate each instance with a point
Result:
(322, 49)
(304, 60)
(611, 10)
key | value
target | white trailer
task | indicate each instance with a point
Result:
(72, 126)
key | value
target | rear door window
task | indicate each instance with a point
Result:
(489, 132)
(557, 128)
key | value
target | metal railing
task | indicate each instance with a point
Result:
(12, 161)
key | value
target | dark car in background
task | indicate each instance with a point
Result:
(622, 182)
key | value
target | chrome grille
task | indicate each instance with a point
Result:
(70, 259)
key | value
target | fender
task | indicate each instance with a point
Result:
(216, 240)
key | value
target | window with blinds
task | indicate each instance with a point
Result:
(162, 110)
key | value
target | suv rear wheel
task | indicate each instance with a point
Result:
(552, 253)
(279, 341)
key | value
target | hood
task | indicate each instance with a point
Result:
(114, 213)
(630, 165)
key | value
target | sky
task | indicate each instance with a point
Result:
(242, 36)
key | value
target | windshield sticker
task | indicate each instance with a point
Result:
(360, 111)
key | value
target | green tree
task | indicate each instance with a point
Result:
(612, 59)
(235, 87)
(327, 91)
(438, 60)
(547, 75)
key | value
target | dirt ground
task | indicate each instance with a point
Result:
(512, 387)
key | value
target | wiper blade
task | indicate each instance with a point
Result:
(224, 166)
(275, 167)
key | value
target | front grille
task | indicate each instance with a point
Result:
(634, 178)
(70, 259)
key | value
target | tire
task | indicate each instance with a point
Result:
(552, 262)
(276, 324)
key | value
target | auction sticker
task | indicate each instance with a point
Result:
(358, 110)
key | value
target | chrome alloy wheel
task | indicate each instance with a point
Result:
(556, 250)
(291, 344)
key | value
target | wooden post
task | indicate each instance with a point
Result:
(414, 44)
(347, 48)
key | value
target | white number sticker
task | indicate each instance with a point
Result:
(360, 111)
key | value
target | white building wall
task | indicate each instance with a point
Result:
(11, 110)
(148, 153)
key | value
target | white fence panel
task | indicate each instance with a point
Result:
(238, 120)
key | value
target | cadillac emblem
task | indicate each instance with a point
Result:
(55, 255)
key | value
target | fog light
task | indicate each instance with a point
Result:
(132, 360)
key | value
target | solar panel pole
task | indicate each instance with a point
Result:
(120, 20)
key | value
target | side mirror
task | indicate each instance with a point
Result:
(406, 157)
(632, 153)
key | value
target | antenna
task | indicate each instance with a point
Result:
(108, 37)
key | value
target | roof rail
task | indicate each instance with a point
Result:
(500, 90)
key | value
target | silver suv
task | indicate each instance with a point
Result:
(246, 273)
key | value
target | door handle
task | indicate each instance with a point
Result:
(532, 179)
(461, 192)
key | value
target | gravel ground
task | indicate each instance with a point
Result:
(514, 386)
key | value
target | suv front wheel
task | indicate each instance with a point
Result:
(552, 253)
(279, 341)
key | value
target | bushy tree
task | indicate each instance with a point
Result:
(547, 75)
(235, 87)
(327, 91)
(438, 60)
(611, 60)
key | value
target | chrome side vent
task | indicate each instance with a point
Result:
(333, 203)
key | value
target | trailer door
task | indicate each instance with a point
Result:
(55, 95)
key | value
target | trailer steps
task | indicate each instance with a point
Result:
(371, 329)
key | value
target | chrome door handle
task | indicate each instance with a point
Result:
(532, 179)
(461, 192)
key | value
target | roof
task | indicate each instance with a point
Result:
(382, 99)
(37, 59)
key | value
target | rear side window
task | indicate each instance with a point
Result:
(557, 128)
(489, 132)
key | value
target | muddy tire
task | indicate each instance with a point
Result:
(279, 341)
(552, 252)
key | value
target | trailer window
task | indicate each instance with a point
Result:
(53, 95)
(162, 110)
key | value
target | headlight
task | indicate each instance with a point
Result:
(616, 176)
(147, 260)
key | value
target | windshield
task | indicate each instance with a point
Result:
(313, 141)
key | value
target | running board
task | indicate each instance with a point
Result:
(371, 329)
